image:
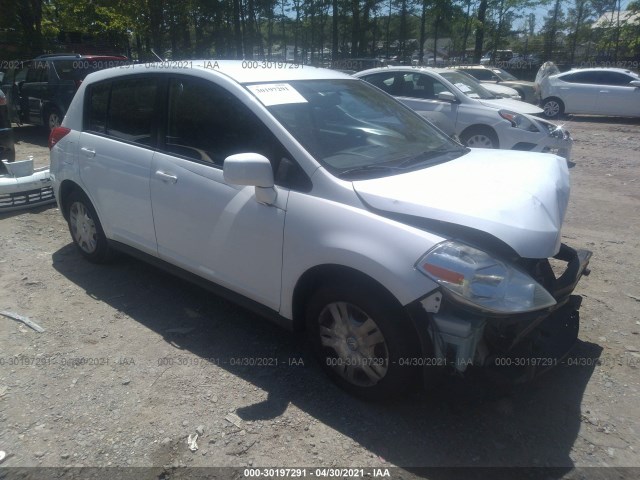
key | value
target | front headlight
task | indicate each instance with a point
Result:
(518, 120)
(476, 278)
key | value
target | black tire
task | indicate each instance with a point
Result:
(479, 137)
(86, 229)
(372, 372)
(553, 107)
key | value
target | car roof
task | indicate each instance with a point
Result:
(73, 56)
(402, 68)
(242, 71)
(596, 69)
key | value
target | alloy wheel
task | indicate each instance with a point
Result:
(359, 352)
(83, 227)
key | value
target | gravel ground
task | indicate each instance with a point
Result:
(133, 360)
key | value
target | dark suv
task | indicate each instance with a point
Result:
(39, 91)
(7, 151)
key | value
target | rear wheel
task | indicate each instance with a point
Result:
(553, 107)
(479, 137)
(363, 341)
(53, 118)
(86, 230)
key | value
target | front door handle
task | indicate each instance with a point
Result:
(88, 152)
(166, 177)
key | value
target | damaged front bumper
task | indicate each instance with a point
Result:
(24, 187)
(516, 347)
(555, 139)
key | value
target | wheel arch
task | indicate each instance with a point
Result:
(311, 279)
(481, 127)
(67, 187)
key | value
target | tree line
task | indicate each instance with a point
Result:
(318, 31)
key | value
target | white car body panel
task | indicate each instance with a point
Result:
(356, 238)
(212, 230)
(513, 105)
(577, 98)
(536, 191)
(117, 176)
(618, 100)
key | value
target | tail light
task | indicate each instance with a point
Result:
(3, 100)
(57, 134)
(78, 83)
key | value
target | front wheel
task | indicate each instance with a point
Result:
(86, 230)
(363, 341)
(479, 137)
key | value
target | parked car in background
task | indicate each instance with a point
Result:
(493, 75)
(431, 61)
(499, 91)
(42, 88)
(7, 150)
(480, 119)
(590, 91)
(325, 205)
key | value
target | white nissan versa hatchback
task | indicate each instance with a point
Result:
(325, 204)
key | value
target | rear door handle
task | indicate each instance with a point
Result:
(166, 177)
(604, 91)
(88, 152)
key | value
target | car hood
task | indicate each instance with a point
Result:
(513, 105)
(522, 83)
(518, 197)
(496, 88)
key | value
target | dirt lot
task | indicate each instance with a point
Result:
(133, 360)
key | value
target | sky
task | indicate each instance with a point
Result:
(541, 12)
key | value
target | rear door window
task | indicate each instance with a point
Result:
(126, 109)
(132, 109)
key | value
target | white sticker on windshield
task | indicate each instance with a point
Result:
(463, 88)
(276, 94)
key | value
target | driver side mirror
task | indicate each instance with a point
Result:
(251, 169)
(447, 97)
(635, 83)
(494, 79)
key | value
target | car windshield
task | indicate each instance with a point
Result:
(504, 75)
(468, 85)
(353, 129)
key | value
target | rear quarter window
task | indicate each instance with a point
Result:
(97, 104)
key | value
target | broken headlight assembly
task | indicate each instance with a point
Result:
(479, 280)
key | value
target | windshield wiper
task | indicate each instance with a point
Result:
(431, 156)
(366, 168)
(438, 155)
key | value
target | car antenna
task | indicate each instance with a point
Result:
(157, 56)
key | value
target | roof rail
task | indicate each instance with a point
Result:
(48, 55)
